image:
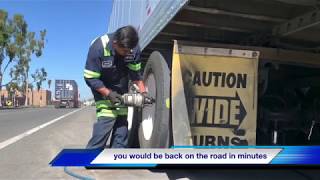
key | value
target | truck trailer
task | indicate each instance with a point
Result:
(226, 72)
(66, 94)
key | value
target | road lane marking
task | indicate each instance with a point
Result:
(33, 130)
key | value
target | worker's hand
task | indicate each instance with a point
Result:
(140, 85)
(114, 97)
(145, 94)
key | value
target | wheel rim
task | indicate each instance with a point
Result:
(148, 112)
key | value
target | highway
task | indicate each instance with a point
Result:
(30, 138)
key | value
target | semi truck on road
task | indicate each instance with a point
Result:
(66, 94)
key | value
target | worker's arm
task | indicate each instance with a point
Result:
(104, 91)
(92, 72)
(134, 69)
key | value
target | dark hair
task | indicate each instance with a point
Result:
(127, 37)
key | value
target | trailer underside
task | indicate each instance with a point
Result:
(292, 26)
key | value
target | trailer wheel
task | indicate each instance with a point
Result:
(155, 127)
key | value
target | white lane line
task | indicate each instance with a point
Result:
(33, 130)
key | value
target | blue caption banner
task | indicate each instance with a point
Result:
(289, 155)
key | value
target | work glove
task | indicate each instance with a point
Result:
(115, 98)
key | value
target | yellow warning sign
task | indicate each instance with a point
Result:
(220, 91)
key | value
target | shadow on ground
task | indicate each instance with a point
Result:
(240, 174)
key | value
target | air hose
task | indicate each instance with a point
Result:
(66, 170)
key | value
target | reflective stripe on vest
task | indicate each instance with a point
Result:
(91, 74)
(134, 67)
(105, 41)
(106, 109)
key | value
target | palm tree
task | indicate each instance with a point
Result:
(49, 83)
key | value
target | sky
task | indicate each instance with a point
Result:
(71, 26)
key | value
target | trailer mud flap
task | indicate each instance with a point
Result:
(214, 96)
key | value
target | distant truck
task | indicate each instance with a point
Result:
(66, 94)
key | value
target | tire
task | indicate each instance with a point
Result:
(155, 126)
(71, 105)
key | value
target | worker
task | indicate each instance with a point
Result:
(112, 60)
